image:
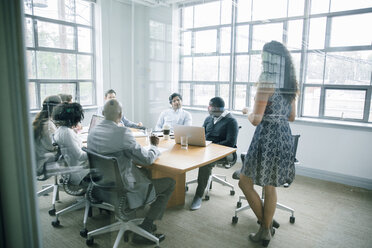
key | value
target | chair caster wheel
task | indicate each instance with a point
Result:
(55, 223)
(60, 180)
(238, 204)
(126, 236)
(235, 219)
(232, 192)
(52, 212)
(276, 224)
(187, 188)
(89, 241)
(292, 219)
(83, 233)
(207, 197)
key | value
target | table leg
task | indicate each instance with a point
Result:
(178, 196)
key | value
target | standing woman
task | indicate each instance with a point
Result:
(270, 158)
(67, 116)
(44, 128)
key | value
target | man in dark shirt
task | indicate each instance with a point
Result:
(221, 128)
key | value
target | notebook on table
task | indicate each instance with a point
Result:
(196, 135)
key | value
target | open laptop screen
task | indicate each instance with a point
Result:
(96, 119)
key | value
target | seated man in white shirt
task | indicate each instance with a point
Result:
(174, 116)
(111, 94)
(109, 138)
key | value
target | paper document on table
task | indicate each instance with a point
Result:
(161, 149)
(139, 134)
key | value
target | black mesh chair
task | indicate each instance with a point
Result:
(239, 206)
(108, 187)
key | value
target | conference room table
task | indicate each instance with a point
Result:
(174, 162)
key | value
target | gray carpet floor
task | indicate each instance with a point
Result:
(327, 215)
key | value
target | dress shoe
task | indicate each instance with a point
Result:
(196, 203)
(256, 237)
(138, 239)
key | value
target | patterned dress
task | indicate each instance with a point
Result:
(270, 157)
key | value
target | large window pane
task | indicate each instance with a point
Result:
(319, 6)
(157, 50)
(225, 39)
(242, 34)
(255, 68)
(317, 33)
(203, 93)
(244, 10)
(241, 68)
(268, 9)
(84, 40)
(55, 35)
(340, 5)
(29, 32)
(294, 35)
(345, 33)
(266, 33)
(31, 66)
(86, 97)
(296, 59)
(252, 95)
(157, 71)
(226, 7)
(351, 68)
(185, 91)
(240, 96)
(57, 9)
(56, 65)
(84, 66)
(370, 112)
(205, 41)
(207, 14)
(83, 12)
(344, 103)
(224, 68)
(224, 93)
(311, 101)
(187, 14)
(53, 89)
(157, 30)
(315, 68)
(296, 7)
(32, 95)
(186, 42)
(186, 69)
(205, 68)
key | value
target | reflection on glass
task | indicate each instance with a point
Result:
(226, 7)
(187, 69)
(59, 9)
(31, 68)
(187, 14)
(186, 42)
(315, 68)
(185, 91)
(240, 96)
(84, 66)
(296, 7)
(265, 33)
(311, 101)
(294, 35)
(296, 59)
(86, 97)
(157, 30)
(370, 112)
(83, 12)
(205, 68)
(244, 10)
(252, 95)
(56, 65)
(55, 35)
(52, 89)
(205, 41)
(242, 33)
(207, 14)
(224, 68)
(344, 103)
(262, 11)
(224, 93)
(317, 33)
(32, 94)
(157, 50)
(203, 93)
(345, 33)
(255, 68)
(29, 32)
(241, 68)
(157, 71)
(351, 68)
(340, 5)
(84, 40)
(225, 39)
(319, 6)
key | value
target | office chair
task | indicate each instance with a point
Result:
(239, 206)
(108, 187)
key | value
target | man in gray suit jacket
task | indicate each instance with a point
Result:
(109, 138)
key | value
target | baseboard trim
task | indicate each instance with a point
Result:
(334, 177)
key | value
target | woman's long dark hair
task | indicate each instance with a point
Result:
(290, 88)
(68, 114)
(43, 116)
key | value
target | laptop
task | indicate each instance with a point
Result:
(196, 135)
(93, 122)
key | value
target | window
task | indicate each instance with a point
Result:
(60, 50)
(331, 52)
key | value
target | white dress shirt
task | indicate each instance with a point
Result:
(173, 117)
